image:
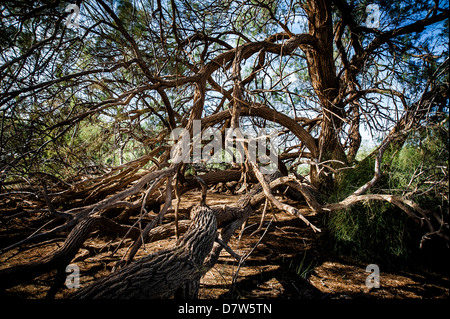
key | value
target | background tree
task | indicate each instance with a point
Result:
(86, 111)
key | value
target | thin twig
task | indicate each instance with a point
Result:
(245, 257)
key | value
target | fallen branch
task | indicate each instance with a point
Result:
(82, 212)
(137, 244)
(57, 260)
(160, 275)
(285, 207)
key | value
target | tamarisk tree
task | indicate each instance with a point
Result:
(91, 93)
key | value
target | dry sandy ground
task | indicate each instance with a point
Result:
(284, 260)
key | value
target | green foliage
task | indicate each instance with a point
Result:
(423, 160)
(303, 265)
(378, 231)
(371, 232)
(350, 180)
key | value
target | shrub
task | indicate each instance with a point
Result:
(373, 232)
(378, 231)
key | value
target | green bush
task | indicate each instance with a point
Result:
(373, 232)
(378, 231)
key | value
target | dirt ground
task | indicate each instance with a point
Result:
(285, 259)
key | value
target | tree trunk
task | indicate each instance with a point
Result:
(322, 71)
(165, 273)
(58, 260)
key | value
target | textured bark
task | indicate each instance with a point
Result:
(322, 70)
(162, 274)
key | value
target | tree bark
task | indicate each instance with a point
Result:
(10, 277)
(322, 71)
(162, 274)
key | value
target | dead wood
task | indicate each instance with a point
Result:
(81, 213)
(160, 275)
(137, 244)
(57, 260)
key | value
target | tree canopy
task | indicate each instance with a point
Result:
(91, 92)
